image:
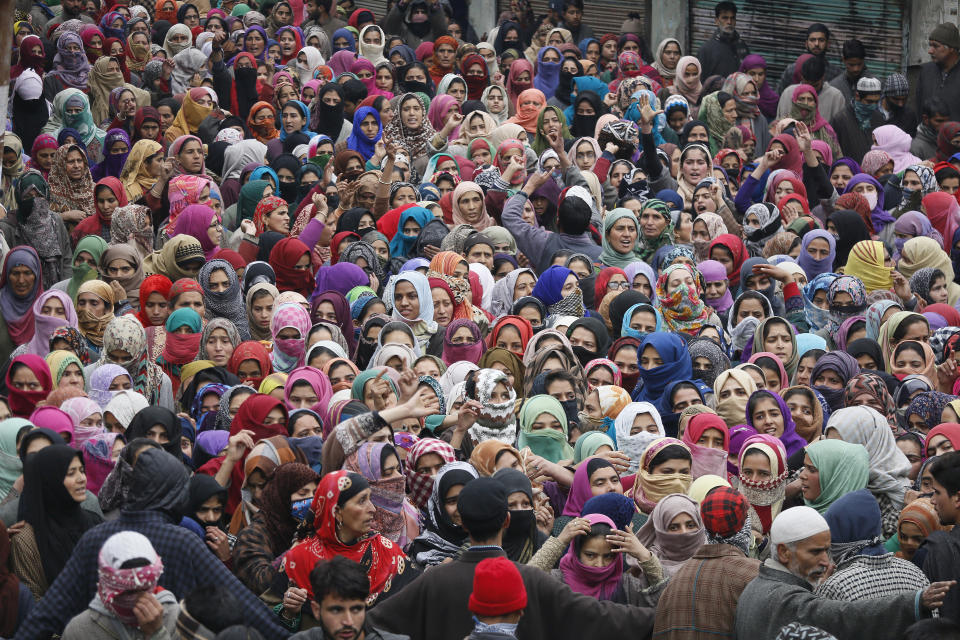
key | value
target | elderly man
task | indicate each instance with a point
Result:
(865, 569)
(941, 76)
(701, 599)
(799, 562)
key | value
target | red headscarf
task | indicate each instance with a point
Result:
(265, 206)
(152, 284)
(266, 131)
(27, 59)
(603, 279)
(235, 259)
(793, 197)
(461, 310)
(250, 350)
(250, 417)
(737, 249)
(23, 403)
(335, 244)
(792, 160)
(284, 255)
(475, 84)
(521, 324)
(121, 58)
(944, 214)
(436, 71)
(703, 421)
(183, 285)
(92, 225)
(382, 558)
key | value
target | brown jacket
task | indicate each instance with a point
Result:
(700, 601)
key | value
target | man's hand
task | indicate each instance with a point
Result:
(149, 614)
(933, 596)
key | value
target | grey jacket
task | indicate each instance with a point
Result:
(370, 633)
(776, 598)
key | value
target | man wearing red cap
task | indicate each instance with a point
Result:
(497, 601)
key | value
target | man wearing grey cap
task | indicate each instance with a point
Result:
(941, 76)
(855, 124)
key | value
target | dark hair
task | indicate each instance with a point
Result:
(354, 91)
(904, 326)
(239, 632)
(341, 577)
(723, 98)
(853, 48)
(597, 530)
(768, 363)
(134, 563)
(723, 7)
(680, 386)
(933, 629)
(816, 354)
(559, 374)
(763, 394)
(813, 69)
(801, 391)
(573, 216)
(169, 102)
(819, 27)
(909, 345)
(214, 606)
(670, 452)
(946, 173)
(573, 3)
(935, 106)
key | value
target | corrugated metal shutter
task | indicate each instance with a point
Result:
(379, 8)
(777, 30)
(605, 16)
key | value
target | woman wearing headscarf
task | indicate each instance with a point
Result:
(762, 475)
(333, 525)
(71, 187)
(673, 548)
(35, 225)
(543, 428)
(147, 419)
(842, 467)
(17, 297)
(54, 487)
(679, 302)
(395, 518)
(664, 469)
(70, 69)
(663, 359)
(125, 343)
(441, 537)
(889, 467)
(756, 67)
(28, 381)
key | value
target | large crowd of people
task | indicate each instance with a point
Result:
(328, 324)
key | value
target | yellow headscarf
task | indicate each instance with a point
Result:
(866, 263)
(923, 252)
(135, 177)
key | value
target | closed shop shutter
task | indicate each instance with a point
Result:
(605, 16)
(777, 30)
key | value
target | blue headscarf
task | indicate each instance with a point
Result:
(626, 331)
(409, 55)
(665, 405)
(305, 110)
(357, 140)
(262, 173)
(344, 33)
(581, 84)
(676, 365)
(808, 341)
(70, 132)
(401, 245)
(548, 73)
(549, 288)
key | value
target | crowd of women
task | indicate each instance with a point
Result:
(340, 273)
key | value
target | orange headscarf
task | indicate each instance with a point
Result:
(266, 131)
(527, 114)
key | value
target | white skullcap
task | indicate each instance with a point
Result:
(126, 545)
(29, 86)
(795, 524)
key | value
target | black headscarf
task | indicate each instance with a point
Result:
(432, 234)
(288, 161)
(565, 85)
(268, 240)
(500, 45)
(687, 128)
(599, 331)
(32, 434)
(412, 86)
(202, 488)
(350, 220)
(324, 118)
(586, 126)
(867, 346)
(159, 482)
(620, 305)
(851, 230)
(445, 528)
(210, 374)
(257, 272)
(522, 539)
(147, 418)
(57, 519)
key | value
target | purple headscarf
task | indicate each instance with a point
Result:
(915, 224)
(878, 216)
(713, 271)
(266, 38)
(71, 67)
(195, 221)
(738, 435)
(811, 266)
(792, 442)
(341, 61)
(340, 277)
(768, 97)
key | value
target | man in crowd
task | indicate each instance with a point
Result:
(855, 124)
(817, 44)
(721, 54)
(943, 547)
(854, 57)
(941, 77)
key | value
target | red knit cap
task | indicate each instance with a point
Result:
(497, 588)
(724, 511)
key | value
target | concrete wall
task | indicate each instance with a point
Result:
(669, 18)
(924, 16)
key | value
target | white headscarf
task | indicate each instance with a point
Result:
(633, 445)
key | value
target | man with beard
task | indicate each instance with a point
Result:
(721, 54)
(799, 562)
(817, 44)
(934, 115)
(69, 10)
(893, 104)
(318, 15)
(340, 590)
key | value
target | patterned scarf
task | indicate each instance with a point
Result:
(496, 420)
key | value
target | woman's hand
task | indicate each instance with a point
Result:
(320, 208)
(772, 271)
(238, 444)
(119, 293)
(248, 227)
(574, 528)
(219, 543)
(626, 542)
(454, 120)
(423, 403)
(544, 515)
(901, 286)
(293, 600)
(516, 164)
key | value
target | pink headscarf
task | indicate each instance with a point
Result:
(438, 111)
(896, 142)
(341, 61)
(45, 325)
(319, 382)
(596, 582)
(195, 221)
(818, 120)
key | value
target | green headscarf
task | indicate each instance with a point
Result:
(356, 391)
(540, 142)
(31, 180)
(250, 196)
(239, 10)
(549, 444)
(843, 466)
(648, 247)
(588, 443)
(95, 246)
(354, 294)
(610, 256)
(711, 113)
(11, 467)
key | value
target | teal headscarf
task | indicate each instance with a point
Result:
(843, 467)
(356, 391)
(11, 467)
(184, 316)
(610, 256)
(401, 245)
(549, 444)
(588, 443)
(95, 246)
(627, 332)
